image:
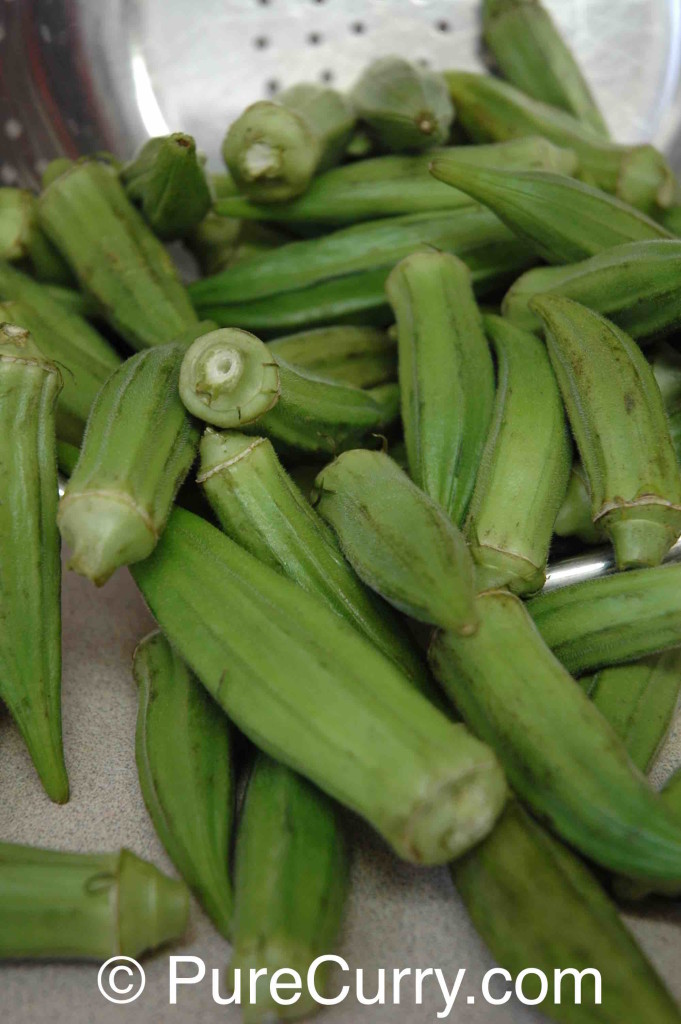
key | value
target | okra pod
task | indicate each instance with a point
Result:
(320, 280)
(362, 357)
(524, 468)
(23, 242)
(138, 447)
(619, 423)
(562, 219)
(168, 183)
(613, 619)
(221, 241)
(290, 887)
(259, 506)
(532, 55)
(627, 888)
(30, 567)
(116, 258)
(574, 517)
(639, 701)
(230, 378)
(273, 150)
(446, 375)
(390, 186)
(398, 540)
(405, 107)
(67, 339)
(494, 111)
(635, 285)
(534, 902)
(559, 754)
(182, 749)
(85, 906)
(312, 693)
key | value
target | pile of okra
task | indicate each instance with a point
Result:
(433, 339)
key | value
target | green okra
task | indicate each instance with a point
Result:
(83, 355)
(611, 620)
(404, 107)
(313, 694)
(534, 902)
(494, 111)
(564, 220)
(559, 754)
(574, 518)
(524, 468)
(398, 540)
(168, 183)
(671, 219)
(627, 888)
(389, 186)
(321, 280)
(183, 754)
(446, 375)
(85, 906)
(639, 701)
(620, 426)
(290, 888)
(259, 506)
(635, 285)
(114, 255)
(219, 241)
(230, 378)
(71, 300)
(22, 241)
(30, 567)
(532, 55)
(665, 361)
(274, 149)
(360, 356)
(138, 447)
(67, 457)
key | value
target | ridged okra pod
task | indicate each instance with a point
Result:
(360, 356)
(532, 55)
(30, 567)
(390, 186)
(168, 183)
(274, 148)
(313, 694)
(138, 447)
(24, 243)
(259, 506)
(635, 285)
(398, 540)
(405, 107)
(446, 375)
(534, 902)
(85, 906)
(494, 111)
(290, 887)
(182, 749)
(626, 888)
(114, 254)
(221, 241)
(64, 337)
(564, 220)
(559, 754)
(574, 517)
(524, 468)
(639, 701)
(328, 279)
(611, 620)
(230, 378)
(619, 422)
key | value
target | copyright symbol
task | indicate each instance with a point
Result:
(121, 979)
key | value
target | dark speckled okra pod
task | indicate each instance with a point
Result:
(138, 447)
(182, 748)
(446, 375)
(30, 568)
(311, 692)
(290, 886)
(118, 261)
(85, 906)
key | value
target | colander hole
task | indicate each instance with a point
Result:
(442, 26)
(327, 75)
(358, 27)
(261, 42)
(314, 38)
(273, 85)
